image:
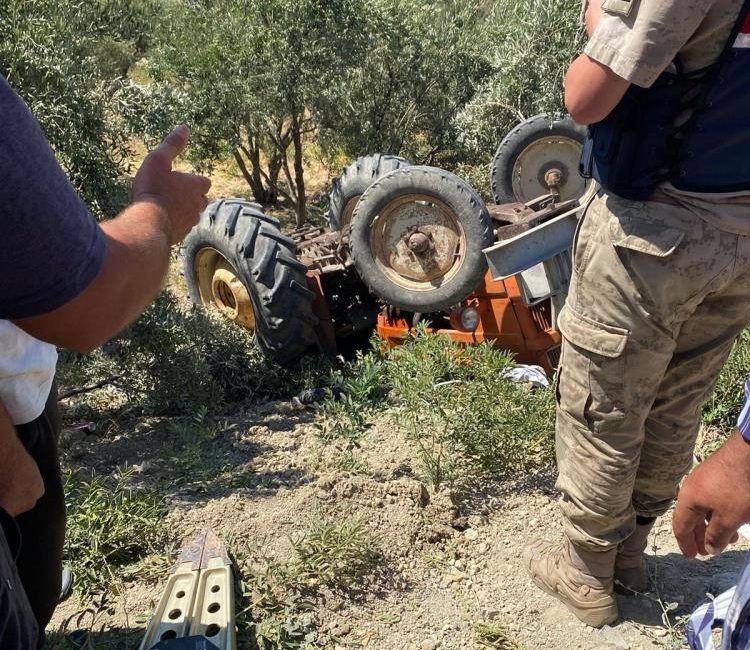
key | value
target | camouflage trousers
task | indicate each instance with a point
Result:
(657, 298)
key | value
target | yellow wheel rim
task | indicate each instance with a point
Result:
(221, 288)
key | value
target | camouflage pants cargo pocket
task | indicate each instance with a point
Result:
(646, 330)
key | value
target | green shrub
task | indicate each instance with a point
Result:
(725, 403)
(173, 361)
(530, 44)
(465, 417)
(280, 596)
(109, 528)
(68, 60)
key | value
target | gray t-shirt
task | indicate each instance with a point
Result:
(51, 247)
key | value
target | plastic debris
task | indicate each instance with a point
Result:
(533, 375)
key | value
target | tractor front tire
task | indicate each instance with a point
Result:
(236, 260)
(417, 239)
(351, 185)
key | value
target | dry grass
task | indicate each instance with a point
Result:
(227, 179)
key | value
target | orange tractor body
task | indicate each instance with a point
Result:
(504, 320)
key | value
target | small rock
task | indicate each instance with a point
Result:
(326, 483)
(460, 523)
(428, 644)
(71, 437)
(454, 577)
(341, 629)
(613, 637)
(471, 535)
(422, 496)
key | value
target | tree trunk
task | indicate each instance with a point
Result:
(254, 176)
(299, 171)
(274, 169)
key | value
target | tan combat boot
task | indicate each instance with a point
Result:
(630, 568)
(580, 579)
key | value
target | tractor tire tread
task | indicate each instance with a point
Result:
(266, 262)
(355, 179)
(471, 213)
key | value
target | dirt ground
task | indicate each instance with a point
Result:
(449, 563)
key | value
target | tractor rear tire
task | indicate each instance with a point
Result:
(353, 182)
(529, 151)
(237, 261)
(417, 239)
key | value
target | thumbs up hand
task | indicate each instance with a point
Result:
(182, 197)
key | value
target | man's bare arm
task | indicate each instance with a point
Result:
(166, 205)
(592, 90)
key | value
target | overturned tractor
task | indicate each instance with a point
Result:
(405, 244)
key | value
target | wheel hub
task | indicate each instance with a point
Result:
(549, 163)
(418, 242)
(221, 288)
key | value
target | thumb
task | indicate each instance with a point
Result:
(175, 142)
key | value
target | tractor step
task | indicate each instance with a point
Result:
(196, 610)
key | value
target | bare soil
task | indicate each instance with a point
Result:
(450, 560)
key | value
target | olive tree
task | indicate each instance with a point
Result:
(530, 44)
(68, 60)
(245, 75)
(265, 78)
(422, 61)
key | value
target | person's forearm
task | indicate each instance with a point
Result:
(135, 263)
(138, 253)
(166, 205)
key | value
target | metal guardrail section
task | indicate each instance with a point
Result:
(196, 610)
(541, 243)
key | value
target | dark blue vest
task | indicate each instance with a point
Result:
(641, 144)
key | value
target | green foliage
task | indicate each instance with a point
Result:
(531, 43)
(417, 65)
(245, 75)
(464, 416)
(343, 420)
(68, 61)
(725, 403)
(334, 553)
(109, 527)
(173, 362)
(346, 415)
(193, 455)
(280, 596)
(258, 79)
